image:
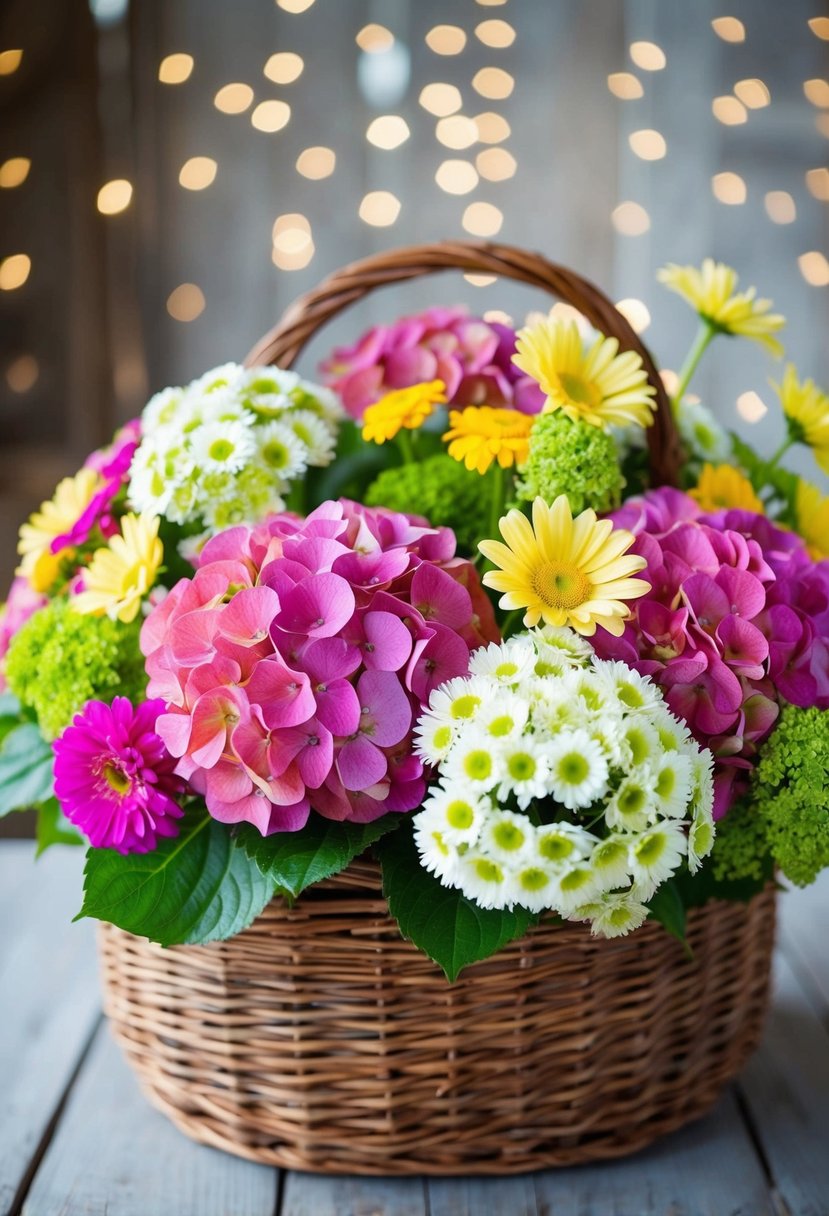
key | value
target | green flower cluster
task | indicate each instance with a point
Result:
(572, 458)
(786, 815)
(61, 659)
(443, 490)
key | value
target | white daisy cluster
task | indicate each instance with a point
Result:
(225, 449)
(565, 783)
(704, 437)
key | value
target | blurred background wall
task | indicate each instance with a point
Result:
(174, 172)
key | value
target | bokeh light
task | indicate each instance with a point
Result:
(380, 208)
(186, 302)
(114, 196)
(175, 69)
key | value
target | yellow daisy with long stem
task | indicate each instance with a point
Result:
(807, 416)
(120, 576)
(402, 409)
(812, 514)
(56, 517)
(721, 487)
(565, 571)
(596, 385)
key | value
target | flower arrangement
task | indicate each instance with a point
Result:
(434, 609)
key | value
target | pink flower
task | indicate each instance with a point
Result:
(112, 463)
(114, 778)
(471, 356)
(293, 662)
(21, 603)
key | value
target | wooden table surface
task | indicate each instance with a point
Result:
(78, 1139)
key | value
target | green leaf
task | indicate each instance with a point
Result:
(54, 828)
(697, 889)
(296, 860)
(196, 887)
(668, 908)
(25, 769)
(451, 929)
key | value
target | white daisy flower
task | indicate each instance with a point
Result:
(509, 663)
(674, 784)
(506, 837)
(483, 880)
(702, 794)
(563, 844)
(578, 884)
(631, 806)
(436, 854)
(190, 548)
(525, 770)
(556, 710)
(609, 859)
(228, 375)
(578, 769)
(223, 445)
(656, 853)
(533, 886)
(503, 717)
(700, 840)
(634, 691)
(280, 451)
(460, 699)
(318, 436)
(673, 735)
(268, 382)
(614, 915)
(163, 409)
(433, 738)
(639, 742)
(318, 399)
(702, 434)
(456, 816)
(552, 640)
(474, 762)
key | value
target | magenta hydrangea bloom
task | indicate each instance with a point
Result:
(21, 603)
(736, 619)
(112, 463)
(471, 356)
(115, 779)
(294, 662)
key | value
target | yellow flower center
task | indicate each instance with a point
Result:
(116, 779)
(582, 392)
(560, 585)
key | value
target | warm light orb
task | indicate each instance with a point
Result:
(456, 177)
(14, 172)
(780, 207)
(496, 164)
(495, 33)
(492, 128)
(820, 27)
(493, 83)
(374, 39)
(648, 56)
(295, 6)
(316, 163)
(753, 93)
(751, 407)
(729, 188)
(813, 266)
(729, 111)
(14, 271)
(817, 91)
(284, 67)
(635, 312)
(388, 131)
(817, 182)
(175, 69)
(647, 144)
(291, 232)
(457, 131)
(186, 302)
(440, 99)
(481, 280)
(625, 86)
(293, 260)
(730, 29)
(10, 61)
(482, 219)
(380, 208)
(114, 196)
(197, 173)
(234, 98)
(630, 219)
(271, 116)
(671, 381)
(22, 373)
(446, 39)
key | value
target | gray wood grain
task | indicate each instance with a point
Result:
(308, 1195)
(114, 1155)
(473, 1196)
(49, 1000)
(802, 935)
(786, 1086)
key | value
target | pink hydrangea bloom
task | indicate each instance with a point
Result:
(293, 663)
(114, 778)
(112, 463)
(21, 603)
(471, 356)
(736, 619)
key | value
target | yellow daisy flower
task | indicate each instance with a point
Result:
(712, 291)
(807, 411)
(480, 434)
(565, 571)
(812, 511)
(121, 575)
(721, 487)
(405, 407)
(597, 385)
(55, 517)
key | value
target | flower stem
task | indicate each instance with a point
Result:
(404, 442)
(780, 453)
(499, 490)
(698, 348)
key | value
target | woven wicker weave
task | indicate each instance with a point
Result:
(318, 1039)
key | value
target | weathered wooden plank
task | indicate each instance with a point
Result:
(114, 1155)
(49, 1003)
(15, 874)
(786, 1087)
(803, 918)
(474, 1196)
(309, 1195)
(707, 1169)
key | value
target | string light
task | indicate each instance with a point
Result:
(817, 92)
(820, 27)
(730, 29)
(492, 128)
(114, 196)
(482, 219)
(10, 61)
(813, 266)
(481, 280)
(751, 407)
(446, 39)
(817, 182)
(495, 33)
(292, 234)
(388, 131)
(374, 39)
(295, 6)
(636, 313)
(271, 116)
(440, 99)
(197, 173)
(753, 93)
(457, 131)
(456, 176)
(648, 56)
(316, 163)
(186, 302)
(284, 67)
(234, 98)
(494, 83)
(14, 271)
(630, 219)
(729, 111)
(293, 260)
(22, 373)
(625, 85)
(729, 188)
(647, 144)
(175, 69)
(380, 208)
(14, 172)
(495, 164)
(780, 207)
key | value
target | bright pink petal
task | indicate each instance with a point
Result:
(386, 714)
(319, 606)
(360, 764)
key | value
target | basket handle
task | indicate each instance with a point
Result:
(316, 308)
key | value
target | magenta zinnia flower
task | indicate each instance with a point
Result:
(114, 777)
(112, 464)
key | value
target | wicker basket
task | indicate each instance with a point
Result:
(319, 1040)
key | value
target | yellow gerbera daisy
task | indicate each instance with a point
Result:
(597, 385)
(712, 291)
(480, 434)
(404, 407)
(121, 575)
(807, 411)
(55, 517)
(565, 571)
(812, 511)
(721, 487)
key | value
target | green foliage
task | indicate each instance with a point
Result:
(60, 659)
(196, 887)
(355, 464)
(443, 490)
(741, 850)
(764, 476)
(296, 860)
(451, 929)
(572, 458)
(668, 907)
(54, 828)
(25, 768)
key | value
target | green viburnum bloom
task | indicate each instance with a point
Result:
(573, 458)
(440, 488)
